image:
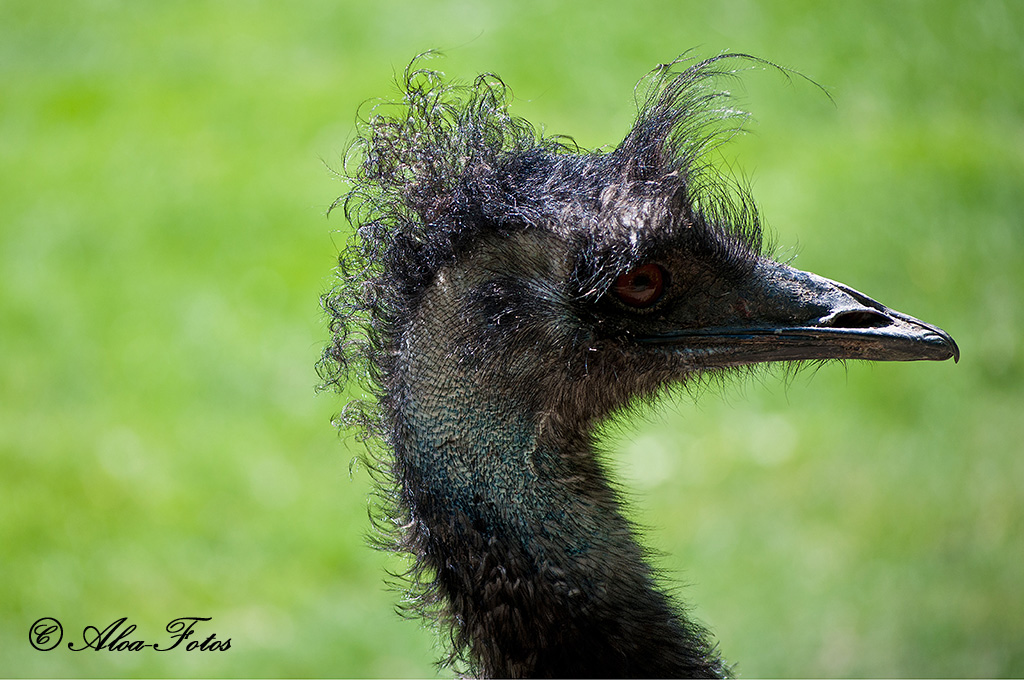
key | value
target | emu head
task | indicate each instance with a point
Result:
(569, 282)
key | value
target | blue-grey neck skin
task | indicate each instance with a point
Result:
(527, 538)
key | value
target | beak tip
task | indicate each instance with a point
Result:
(951, 346)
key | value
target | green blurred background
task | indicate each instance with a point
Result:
(165, 169)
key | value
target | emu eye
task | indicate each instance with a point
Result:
(641, 287)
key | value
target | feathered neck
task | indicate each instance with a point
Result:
(519, 540)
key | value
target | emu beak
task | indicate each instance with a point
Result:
(787, 314)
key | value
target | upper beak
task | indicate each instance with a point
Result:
(788, 314)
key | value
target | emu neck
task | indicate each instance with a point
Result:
(535, 563)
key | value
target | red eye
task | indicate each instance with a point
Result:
(641, 287)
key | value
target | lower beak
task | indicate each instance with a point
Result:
(794, 315)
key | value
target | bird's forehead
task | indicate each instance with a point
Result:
(643, 219)
(619, 211)
(628, 226)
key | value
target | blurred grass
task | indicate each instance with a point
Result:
(164, 177)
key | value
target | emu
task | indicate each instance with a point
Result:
(504, 293)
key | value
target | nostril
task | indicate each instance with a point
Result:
(858, 318)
